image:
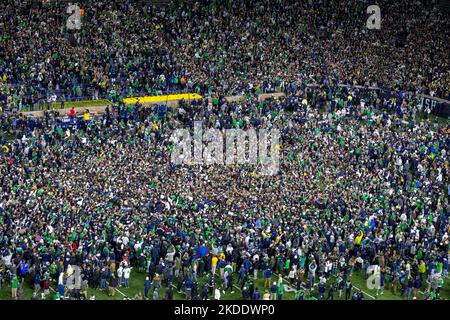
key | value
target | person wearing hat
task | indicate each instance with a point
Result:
(147, 287)
(156, 283)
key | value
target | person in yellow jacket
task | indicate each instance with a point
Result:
(358, 239)
(87, 115)
(221, 256)
(422, 268)
(214, 261)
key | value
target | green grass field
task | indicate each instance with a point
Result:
(84, 104)
(77, 104)
(137, 286)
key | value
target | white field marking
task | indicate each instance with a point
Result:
(287, 287)
(290, 289)
(315, 284)
(367, 294)
(374, 298)
(117, 289)
(123, 294)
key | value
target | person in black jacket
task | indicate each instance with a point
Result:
(147, 287)
(207, 260)
(229, 282)
(96, 278)
(348, 290)
(255, 268)
(251, 288)
(169, 293)
(331, 292)
(204, 292)
(194, 293)
(245, 293)
(273, 291)
(211, 284)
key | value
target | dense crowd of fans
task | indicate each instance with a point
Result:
(363, 179)
(358, 186)
(217, 47)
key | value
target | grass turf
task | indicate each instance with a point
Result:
(76, 104)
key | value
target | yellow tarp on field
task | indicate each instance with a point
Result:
(165, 98)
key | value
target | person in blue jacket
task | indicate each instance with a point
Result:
(417, 286)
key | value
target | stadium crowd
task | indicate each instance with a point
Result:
(363, 180)
(217, 47)
(358, 186)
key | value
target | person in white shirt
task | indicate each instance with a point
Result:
(292, 274)
(328, 266)
(229, 249)
(126, 276)
(61, 279)
(217, 294)
(120, 275)
(61, 287)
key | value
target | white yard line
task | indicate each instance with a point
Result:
(288, 287)
(374, 298)
(117, 289)
(123, 294)
(367, 294)
(315, 284)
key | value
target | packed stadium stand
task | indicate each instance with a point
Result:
(95, 202)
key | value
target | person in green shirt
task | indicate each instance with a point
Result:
(439, 267)
(287, 266)
(14, 286)
(280, 291)
(299, 294)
